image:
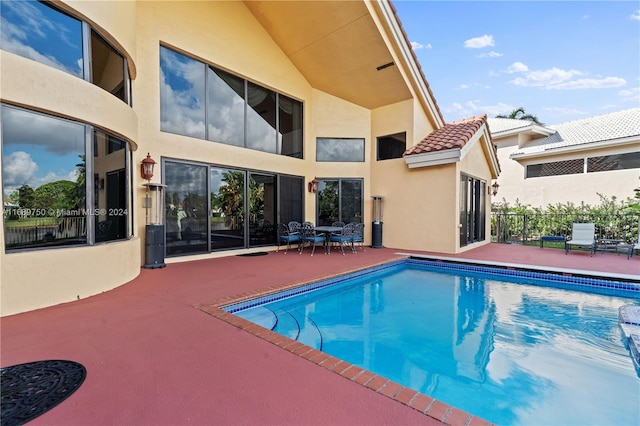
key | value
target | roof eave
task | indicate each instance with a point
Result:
(577, 148)
(435, 158)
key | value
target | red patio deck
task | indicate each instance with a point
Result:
(152, 357)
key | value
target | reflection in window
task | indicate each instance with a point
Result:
(187, 208)
(43, 34)
(630, 160)
(45, 185)
(182, 97)
(392, 146)
(40, 32)
(339, 200)
(227, 208)
(107, 67)
(273, 122)
(290, 127)
(225, 107)
(261, 118)
(110, 195)
(339, 149)
(555, 168)
(472, 210)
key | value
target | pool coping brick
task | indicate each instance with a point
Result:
(423, 403)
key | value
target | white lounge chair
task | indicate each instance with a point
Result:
(582, 235)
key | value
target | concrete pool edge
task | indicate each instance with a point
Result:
(420, 402)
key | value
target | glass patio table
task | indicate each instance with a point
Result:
(327, 231)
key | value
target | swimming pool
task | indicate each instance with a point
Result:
(507, 346)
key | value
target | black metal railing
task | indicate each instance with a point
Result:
(525, 228)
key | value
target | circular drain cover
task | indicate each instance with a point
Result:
(32, 389)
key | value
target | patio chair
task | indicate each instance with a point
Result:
(338, 223)
(294, 227)
(285, 236)
(582, 235)
(344, 237)
(635, 245)
(358, 234)
(310, 236)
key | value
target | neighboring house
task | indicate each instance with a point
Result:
(568, 162)
(242, 105)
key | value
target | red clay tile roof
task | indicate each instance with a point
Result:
(451, 136)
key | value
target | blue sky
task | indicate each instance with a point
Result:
(561, 61)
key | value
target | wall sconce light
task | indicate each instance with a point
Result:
(493, 189)
(146, 168)
(312, 186)
(101, 183)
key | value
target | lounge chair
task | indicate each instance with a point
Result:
(582, 235)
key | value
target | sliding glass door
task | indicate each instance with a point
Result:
(186, 207)
(472, 210)
(227, 208)
(210, 208)
(339, 200)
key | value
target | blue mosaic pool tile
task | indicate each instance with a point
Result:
(575, 282)
(307, 288)
(572, 282)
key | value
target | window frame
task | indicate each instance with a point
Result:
(90, 212)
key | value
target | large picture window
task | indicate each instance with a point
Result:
(231, 110)
(38, 31)
(340, 149)
(339, 200)
(64, 183)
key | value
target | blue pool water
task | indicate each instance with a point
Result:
(510, 349)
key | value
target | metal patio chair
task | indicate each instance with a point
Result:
(311, 237)
(285, 236)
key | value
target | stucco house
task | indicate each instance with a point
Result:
(241, 105)
(573, 161)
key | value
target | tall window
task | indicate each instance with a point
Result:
(340, 149)
(230, 110)
(64, 183)
(472, 210)
(391, 146)
(39, 31)
(339, 200)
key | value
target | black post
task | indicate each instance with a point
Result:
(376, 234)
(154, 244)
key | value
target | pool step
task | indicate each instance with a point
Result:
(629, 318)
(292, 324)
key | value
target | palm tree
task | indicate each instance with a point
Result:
(520, 114)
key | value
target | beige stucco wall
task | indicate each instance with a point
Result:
(475, 164)
(542, 191)
(34, 279)
(421, 210)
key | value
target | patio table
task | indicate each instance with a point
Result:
(327, 231)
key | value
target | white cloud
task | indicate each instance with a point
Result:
(417, 46)
(491, 54)
(517, 67)
(479, 42)
(565, 111)
(18, 168)
(590, 83)
(635, 16)
(630, 95)
(474, 107)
